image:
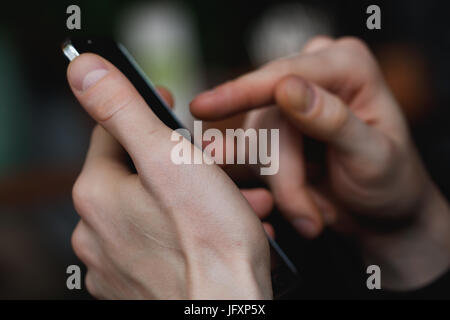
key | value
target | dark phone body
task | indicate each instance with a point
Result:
(284, 273)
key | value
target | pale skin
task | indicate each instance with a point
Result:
(146, 235)
(333, 92)
(158, 234)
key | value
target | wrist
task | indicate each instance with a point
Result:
(417, 254)
(233, 276)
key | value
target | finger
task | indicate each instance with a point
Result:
(298, 207)
(108, 96)
(332, 69)
(252, 90)
(106, 163)
(325, 117)
(317, 44)
(97, 287)
(105, 156)
(166, 95)
(289, 185)
(95, 190)
(85, 245)
(260, 200)
(325, 206)
(269, 229)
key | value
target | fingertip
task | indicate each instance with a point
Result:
(266, 199)
(299, 208)
(307, 227)
(195, 107)
(261, 201)
(166, 95)
(202, 106)
(269, 229)
(113, 102)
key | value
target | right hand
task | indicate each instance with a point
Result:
(334, 92)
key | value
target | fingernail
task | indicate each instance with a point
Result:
(92, 77)
(305, 227)
(204, 96)
(86, 71)
(208, 93)
(300, 94)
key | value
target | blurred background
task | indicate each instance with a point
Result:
(187, 46)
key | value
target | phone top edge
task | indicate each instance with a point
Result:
(69, 50)
(147, 80)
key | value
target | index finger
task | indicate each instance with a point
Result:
(331, 68)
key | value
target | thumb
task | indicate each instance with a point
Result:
(325, 117)
(261, 201)
(111, 100)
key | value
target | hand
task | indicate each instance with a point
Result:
(158, 233)
(333, 92)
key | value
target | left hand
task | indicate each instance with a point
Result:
(158, 233)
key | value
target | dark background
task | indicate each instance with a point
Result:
(44, 134)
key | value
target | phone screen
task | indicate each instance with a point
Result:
(284, 273)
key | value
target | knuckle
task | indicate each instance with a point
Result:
(91, 285)
(117, 102)
(316, 41)
(108, 97)
(79, 243)
(353, 51)
(354, 44)
(354, 59)
(87, 195)
(83, 245)
(80, 197)
(282, 65)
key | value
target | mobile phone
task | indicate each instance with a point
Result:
(285, 277)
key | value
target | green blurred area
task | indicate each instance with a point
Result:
(13, 107)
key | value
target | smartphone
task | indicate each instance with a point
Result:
(285, 276)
